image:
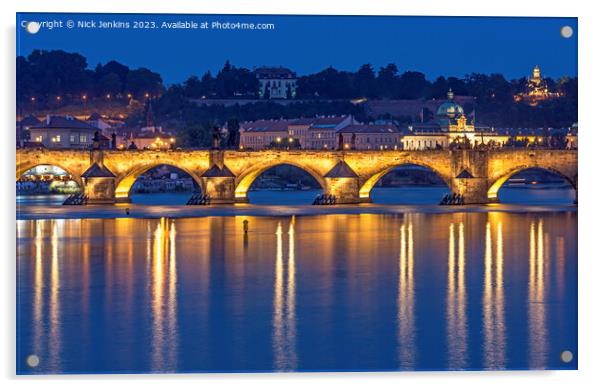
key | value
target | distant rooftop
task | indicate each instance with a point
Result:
(265, 126)
(267, 72)
(63, 122)
(327, 122)
(29, 121)
(365, 128)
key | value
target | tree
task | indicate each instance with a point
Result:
(109, 83)
(53, 73)
(387, 80)
(234, 82)
(412, 84)
(142, 81)
(365, 82)
(113, 67)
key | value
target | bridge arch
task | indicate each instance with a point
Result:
(21, 170)
(246, 179)
(496, 184)
(368, 185)
(127, 180)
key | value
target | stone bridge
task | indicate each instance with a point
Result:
(226, 176)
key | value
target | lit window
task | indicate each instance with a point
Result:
(83, 138)
(72, 138)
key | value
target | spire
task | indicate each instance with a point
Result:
(450, 94)
(150, 117)
(536, 72)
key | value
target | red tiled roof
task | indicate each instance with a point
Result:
(364, 128)
(265, 126)
(64, 122)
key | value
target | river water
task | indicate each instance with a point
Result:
(341, 292)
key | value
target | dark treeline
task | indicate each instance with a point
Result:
(43, 76)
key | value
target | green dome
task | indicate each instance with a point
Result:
(449, 108)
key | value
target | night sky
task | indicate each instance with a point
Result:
(449, 46)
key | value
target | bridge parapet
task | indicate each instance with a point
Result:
(476, 174)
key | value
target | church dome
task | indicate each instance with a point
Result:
(449, 108)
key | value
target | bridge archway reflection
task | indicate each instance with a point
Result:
(406, 183)
(534, 185)
(157, 179)
(282, 183)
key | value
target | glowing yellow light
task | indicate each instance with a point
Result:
(146, 95)
(278, 139)
(172, 140)
(84, 97)
(129, 95)
(58, 98)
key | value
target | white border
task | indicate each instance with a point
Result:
(590, 120)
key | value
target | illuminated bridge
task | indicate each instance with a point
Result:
(106, 176)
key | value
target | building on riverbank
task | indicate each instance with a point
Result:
(372, 137)
(451, 127)
(62, 132)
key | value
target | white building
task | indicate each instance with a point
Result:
(449, 127)
(276, 82)
(62, 132)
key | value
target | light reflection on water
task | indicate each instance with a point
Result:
(329, 292)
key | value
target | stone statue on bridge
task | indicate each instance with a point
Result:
(217, 138)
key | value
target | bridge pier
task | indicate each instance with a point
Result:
(99, 184)
(342, 182)
(474, 190)
(219, 185)
(346, 190)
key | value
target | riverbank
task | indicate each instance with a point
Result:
(181, 211)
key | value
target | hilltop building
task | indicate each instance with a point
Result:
(276, 82)
(537, 90)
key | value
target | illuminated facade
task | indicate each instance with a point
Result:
(62, 132)
(276, 82)
(150, 140)
(450, 127)
(371, 137)
(308, 133)
(537, 90)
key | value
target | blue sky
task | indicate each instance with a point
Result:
(450, 46)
